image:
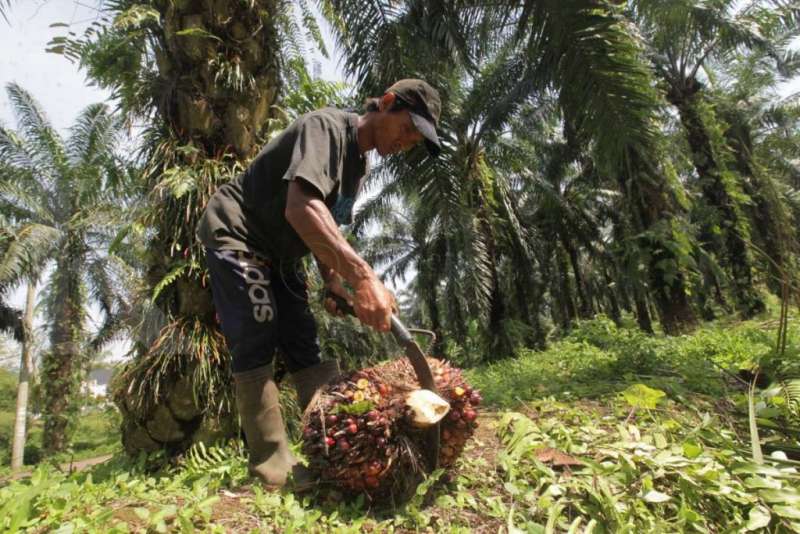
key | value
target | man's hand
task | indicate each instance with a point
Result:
(334, 285)
(374, 304)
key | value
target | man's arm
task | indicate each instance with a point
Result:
(311, 219)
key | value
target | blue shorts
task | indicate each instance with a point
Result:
(262, 309)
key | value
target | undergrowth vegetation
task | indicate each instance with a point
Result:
(608, 430)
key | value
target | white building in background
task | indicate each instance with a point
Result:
(96, 384)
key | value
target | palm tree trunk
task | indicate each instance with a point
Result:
(611, 294)
(716, 194)
(25, 372)
(567, 300)
(433, 312)
(642, 312)
(62, 362)
(585, 310)
(650, 206)
(218, 63)
(767, 211)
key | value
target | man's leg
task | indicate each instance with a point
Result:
(297, 336)
(245, 303)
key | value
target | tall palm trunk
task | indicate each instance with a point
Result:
(716, 194)
(528, 295)
(581, 289)
(565, 288)
(610, 292)
(642, 311)
(432, 305)
(25, 373)
(61, 365)
(767, 210)
(219, 65)
(650, 206)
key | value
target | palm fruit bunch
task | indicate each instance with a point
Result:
(361, 436)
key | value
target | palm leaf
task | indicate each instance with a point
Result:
(44, 141)
(4, 6)
(32, 246)
(94, 136)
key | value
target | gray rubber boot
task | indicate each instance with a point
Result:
(260, 413)
(310, 380)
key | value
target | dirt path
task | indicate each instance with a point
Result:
(70, 467)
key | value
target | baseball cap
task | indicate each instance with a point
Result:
(424, 106)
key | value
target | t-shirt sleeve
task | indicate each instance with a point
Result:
(316, 155)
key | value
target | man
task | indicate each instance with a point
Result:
(257, 228)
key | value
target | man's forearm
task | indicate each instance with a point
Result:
(326, 272)
(312, 221)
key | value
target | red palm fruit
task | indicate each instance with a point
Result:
(373, 415)
(330, 442)
(446, 434)
(309, 432)
(372, 482)
(331, 420)
(380, 442)
(470, 415)
(352, 428)
(343, 444)
(455, 415)
(475, 399)
(374, 468)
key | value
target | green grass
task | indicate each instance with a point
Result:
(95, 433)
(660, 430)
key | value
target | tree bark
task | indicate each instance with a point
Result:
(62, 362)
(219, 80)
(717, 196)
(25, 373)
(642, 312)
(567, 300)
(611, 294)
(585, 306)
(766, 211)
(651, 206)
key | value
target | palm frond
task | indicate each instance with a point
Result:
(20, 199)
(4, 6)
(94, 136)
(31, 119)
(32, 246)
(11, 320)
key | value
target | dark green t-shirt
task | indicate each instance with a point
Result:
(247, 213)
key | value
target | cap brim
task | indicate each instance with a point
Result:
(428, 131)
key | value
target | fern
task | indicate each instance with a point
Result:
(224, 461)
(791, 392)
(170, 278)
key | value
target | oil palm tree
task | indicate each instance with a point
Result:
(588, 53)
(57, 198)
(207, 83)
(760, 128)
(684, 38)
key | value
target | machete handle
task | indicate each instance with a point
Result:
(341, 303)
(401, 333)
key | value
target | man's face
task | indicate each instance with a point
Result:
(396, 133)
